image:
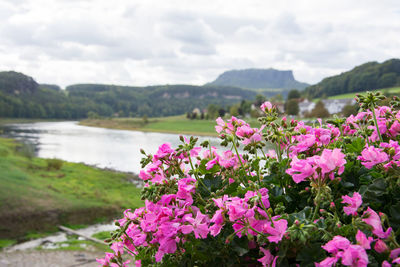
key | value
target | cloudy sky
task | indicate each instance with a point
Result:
(151, 42)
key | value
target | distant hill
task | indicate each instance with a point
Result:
(259, 79)
(22, 97)
(368, 76)
(16, 83)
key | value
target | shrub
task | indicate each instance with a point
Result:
(54, 164)
(320, 111)
(325, 195)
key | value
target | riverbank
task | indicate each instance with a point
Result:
(37, 194)
(174, 124)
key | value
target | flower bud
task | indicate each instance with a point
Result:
(380, 246)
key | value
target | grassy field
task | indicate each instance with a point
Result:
(385, 91)
(173, 124)
(35, 198)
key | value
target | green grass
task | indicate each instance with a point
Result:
(102, 235)
(34, 199)
(174, 124)
(7, 242)
(385, 91)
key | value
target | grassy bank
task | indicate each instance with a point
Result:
(36, 196)
(173, 124)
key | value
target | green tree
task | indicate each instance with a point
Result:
(349, 109)
(292, 107)
(320, 111)
(293, 94)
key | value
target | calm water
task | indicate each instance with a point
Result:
(104, 148)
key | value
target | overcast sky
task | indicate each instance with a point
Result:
(158, 42)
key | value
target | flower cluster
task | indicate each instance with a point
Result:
(295, 187)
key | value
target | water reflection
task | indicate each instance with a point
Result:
(105, 148)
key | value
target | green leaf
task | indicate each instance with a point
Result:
(356, 146)
(308, 255)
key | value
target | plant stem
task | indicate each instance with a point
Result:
(265, 209)
(376, 123)
(317, 199)
(238, 155)
(197, 176)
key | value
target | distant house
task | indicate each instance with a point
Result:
(332, 105)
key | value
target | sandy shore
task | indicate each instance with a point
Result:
(50, 258)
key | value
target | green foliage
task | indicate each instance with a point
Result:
(320, 111)
(54, 164)
(365, 77)
(22, 97)
(349, 110)
(6, 243)
(293, 94)
(33, 198)
(292, 107)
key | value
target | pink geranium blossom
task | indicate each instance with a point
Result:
(331, 160)
(268, 259)
(354, 203)
(373, 219)
(277, 231)
(355, 255)
(363, 241)
(266, 106)
(372, 156)
(380, 246)
(300, 169)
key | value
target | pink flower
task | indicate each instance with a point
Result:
(211, 163)
(395, 128)
(330, 160)
(195, 151)
(106, 259)
(300, 169)
(355, 255)
(372, 156)
(395, 253)
(118, 248)
(276, 232)
(328, 262)
(163, 150)
(373, 219)
(380, 246)
(220, 125)
(363, 241)
(266, 106)
(198, 225)
(354, 203)
(268, 259)
(223, 126)
(244, 131)
(337, 243)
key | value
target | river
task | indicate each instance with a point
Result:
(103, 148)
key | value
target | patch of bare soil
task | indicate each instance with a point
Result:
(50, 258)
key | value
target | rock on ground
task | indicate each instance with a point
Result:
(50, 259)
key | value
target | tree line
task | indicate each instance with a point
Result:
(369, 76)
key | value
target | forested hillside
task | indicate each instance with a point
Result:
(22, 97)
(368, 76)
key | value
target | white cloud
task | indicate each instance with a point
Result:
(177, 41)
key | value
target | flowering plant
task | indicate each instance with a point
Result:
(325, 195)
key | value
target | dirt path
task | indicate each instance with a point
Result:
(50, 259)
